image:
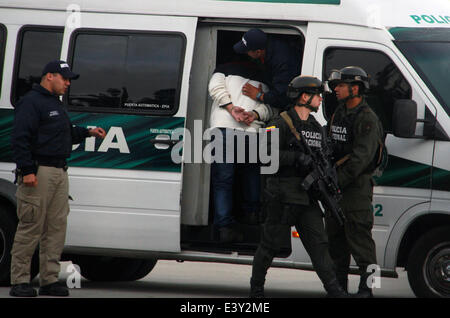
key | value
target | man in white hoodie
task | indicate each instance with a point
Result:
(238, 118)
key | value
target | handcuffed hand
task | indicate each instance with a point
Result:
(250, 117)
(239, 114)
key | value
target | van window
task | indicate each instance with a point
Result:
(387, 83)
(37, 46)
(2, 50)
(428, 51)
(127, 72)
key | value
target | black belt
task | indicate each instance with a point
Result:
(56, 163)
(53, 166)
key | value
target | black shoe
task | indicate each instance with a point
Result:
(22, 290)
(343, 281)
(55, 289)
(334, 290)
(230, 235)
(363, 293)
(256, 290)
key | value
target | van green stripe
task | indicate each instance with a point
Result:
(410, 174)
(137, 131)
(291, 1)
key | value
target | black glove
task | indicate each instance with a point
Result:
(303, 160)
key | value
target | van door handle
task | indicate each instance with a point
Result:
(163, 142)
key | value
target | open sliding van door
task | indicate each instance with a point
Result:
(134, 83)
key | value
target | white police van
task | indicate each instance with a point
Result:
(144, 71)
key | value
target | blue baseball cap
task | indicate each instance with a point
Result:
(60, 67)
(253, 39)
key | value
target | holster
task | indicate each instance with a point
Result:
(17, 173)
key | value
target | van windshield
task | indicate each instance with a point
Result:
(428, 51)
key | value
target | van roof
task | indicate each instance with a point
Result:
(370, 13)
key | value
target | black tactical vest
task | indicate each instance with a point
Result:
(312, 132)
(341, 131)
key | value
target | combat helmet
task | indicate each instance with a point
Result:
(304, 84)
(351, 75)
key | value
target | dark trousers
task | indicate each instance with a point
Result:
(355, 239)
(225, 173)
(308, 221)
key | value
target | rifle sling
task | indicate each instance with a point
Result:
(342, 160)
(289, 122)
(294, 131)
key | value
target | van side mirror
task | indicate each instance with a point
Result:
(404, 118)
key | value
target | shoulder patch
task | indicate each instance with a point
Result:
(366, 127)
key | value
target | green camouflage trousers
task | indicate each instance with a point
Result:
(354, 239)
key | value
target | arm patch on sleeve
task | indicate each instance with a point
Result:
(366, 127)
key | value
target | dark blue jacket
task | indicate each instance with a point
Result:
(282, 64)
(42, 130)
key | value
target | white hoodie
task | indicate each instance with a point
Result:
(228, 89)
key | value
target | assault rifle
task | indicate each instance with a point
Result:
(323, 176)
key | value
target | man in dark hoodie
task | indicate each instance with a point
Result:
(281, 63)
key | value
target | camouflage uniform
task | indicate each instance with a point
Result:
(354, 132)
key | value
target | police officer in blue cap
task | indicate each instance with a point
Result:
(42, 138)
(281, 63)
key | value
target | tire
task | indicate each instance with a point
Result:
(429, 264)
(7, 231)
(145, 268)
(8, 226)
(112, 269)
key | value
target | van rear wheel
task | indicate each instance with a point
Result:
(7, 231)
(110, 269)
(429, 264)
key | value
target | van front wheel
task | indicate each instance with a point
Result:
(429, 264)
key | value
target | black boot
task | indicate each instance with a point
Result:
(228, 234)
(256, 289)
(343, 281)
(364, 291)
(334, 290)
